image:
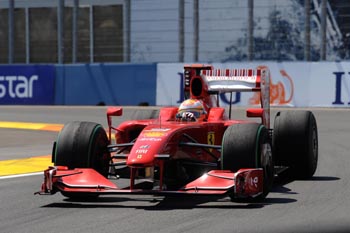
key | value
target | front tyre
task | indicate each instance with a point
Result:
(82, 145)
(248, 146)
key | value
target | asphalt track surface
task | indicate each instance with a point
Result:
(321, 204)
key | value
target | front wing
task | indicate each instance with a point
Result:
(243, 183)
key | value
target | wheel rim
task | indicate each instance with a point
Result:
(266, 155)
(266, 159)
(314, 144)
(100, 162)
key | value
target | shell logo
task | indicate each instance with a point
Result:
(277, 91)
(154, 134)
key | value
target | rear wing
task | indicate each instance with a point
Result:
(201, 81)
(235, 80)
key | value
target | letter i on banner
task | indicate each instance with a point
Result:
(338, 88)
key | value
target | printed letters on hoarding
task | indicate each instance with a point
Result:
(338, 85)
(17, 86)
(27, 84)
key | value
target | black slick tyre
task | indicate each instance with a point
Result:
(295, 143)
(248, 146)
(82, 145)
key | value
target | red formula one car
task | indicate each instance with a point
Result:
(192, 149)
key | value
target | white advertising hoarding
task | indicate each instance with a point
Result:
(298, 84)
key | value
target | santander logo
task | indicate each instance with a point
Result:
(278, 91)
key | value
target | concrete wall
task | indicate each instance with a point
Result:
(112, 84)
(293, 84)
(83, 84)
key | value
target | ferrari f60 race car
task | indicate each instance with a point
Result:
(207, 153)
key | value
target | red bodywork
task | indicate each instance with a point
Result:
(159, 143)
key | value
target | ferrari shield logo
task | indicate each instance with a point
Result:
(211, 139)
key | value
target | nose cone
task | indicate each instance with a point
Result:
(149, 143)
(140, 158)
(142, 154)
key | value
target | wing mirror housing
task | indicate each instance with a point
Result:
(255, 112)
(112, 111)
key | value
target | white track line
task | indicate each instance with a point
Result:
(21, 175)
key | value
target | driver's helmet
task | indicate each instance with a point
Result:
(191, 110)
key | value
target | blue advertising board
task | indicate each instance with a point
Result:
(27, 84)
(109, 84)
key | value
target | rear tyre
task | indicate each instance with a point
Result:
(295, 143)
(82, 145)
(248, 146)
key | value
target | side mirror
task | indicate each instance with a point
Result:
(112, 111)
(255, 112)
